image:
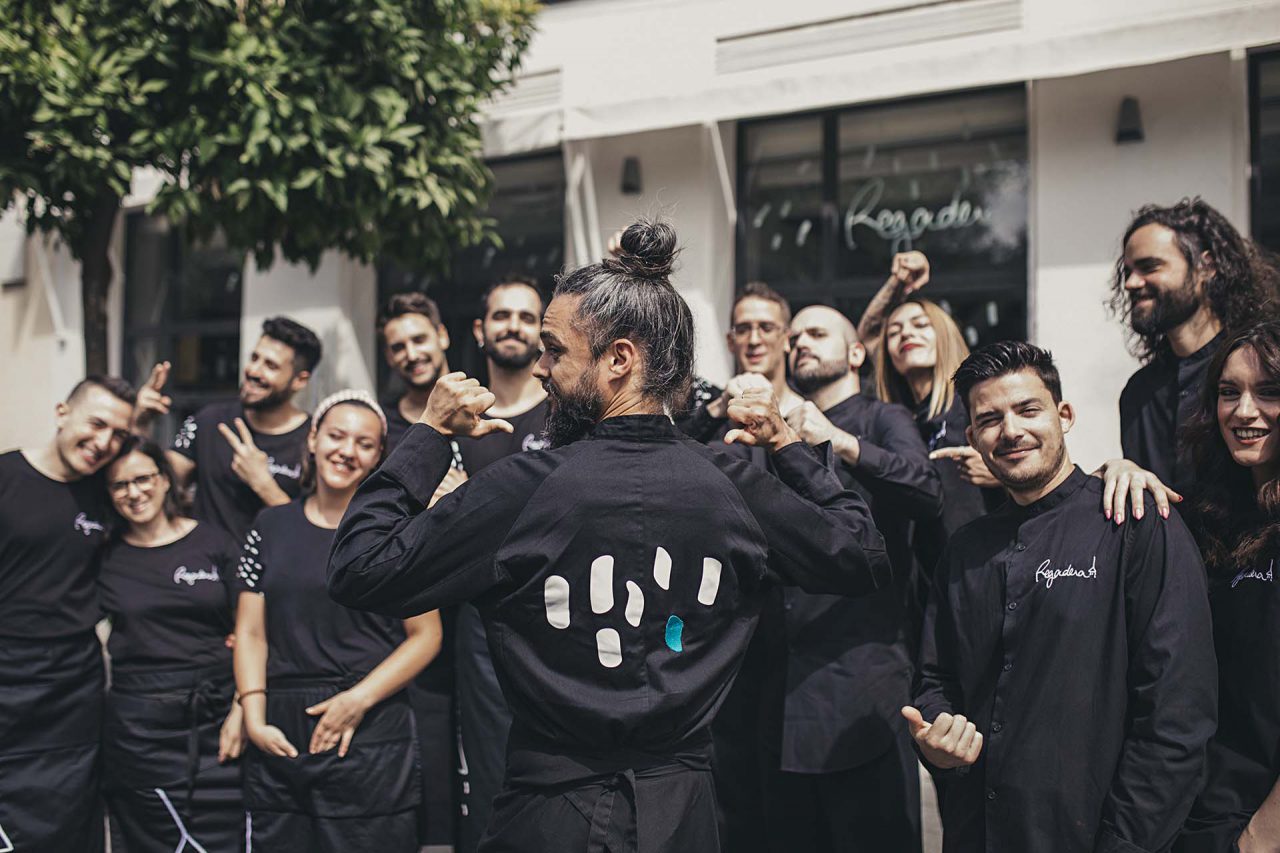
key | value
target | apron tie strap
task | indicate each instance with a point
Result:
(607, 834)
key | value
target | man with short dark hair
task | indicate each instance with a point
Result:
(257, 461)
(843, 776)
(1185, 274)
(1067, 683)
(414, 341)
(507, 332)
(620, 573)
(53, 516)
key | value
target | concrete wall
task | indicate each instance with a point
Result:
(1085, 188)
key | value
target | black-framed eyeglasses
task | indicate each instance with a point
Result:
(767, 330)
(144, 483)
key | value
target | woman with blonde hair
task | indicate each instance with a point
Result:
(918, 351)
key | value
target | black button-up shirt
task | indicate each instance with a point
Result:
(1158, 399)
(1083, 651)
(848, 670)
(619, 577)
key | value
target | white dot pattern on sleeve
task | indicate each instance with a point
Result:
(250, 569)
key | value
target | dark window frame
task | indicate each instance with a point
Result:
(830, 216)
(1256, 58)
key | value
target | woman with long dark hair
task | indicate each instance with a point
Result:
(1235, 444)
(334, 760)
(171, 730)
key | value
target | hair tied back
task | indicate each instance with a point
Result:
(648, 251)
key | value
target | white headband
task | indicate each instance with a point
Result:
(350, 395)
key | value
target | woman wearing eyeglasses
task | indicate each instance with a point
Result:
(334, 765)
(172, 731)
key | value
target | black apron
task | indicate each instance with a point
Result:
(626, 802)
(161, 775)
(50, 722)
(325, 802)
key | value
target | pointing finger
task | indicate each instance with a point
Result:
(493, 425)
(949, 453)
(740, 436)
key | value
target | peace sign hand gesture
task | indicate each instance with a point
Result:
(151, 401)
(249, 463)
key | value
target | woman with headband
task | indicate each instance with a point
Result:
(334, 762)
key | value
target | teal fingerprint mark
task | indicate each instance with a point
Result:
(675, 634)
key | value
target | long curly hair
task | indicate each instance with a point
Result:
(1234, 521)
(1243, 281)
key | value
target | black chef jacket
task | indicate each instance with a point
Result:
(222, 498)
(1157, 401)
(619, 578)
(1083, 652)
(848, 670)
(1244, 755)
(51, 534)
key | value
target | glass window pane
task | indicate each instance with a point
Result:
(1266, 166)
(782, 191)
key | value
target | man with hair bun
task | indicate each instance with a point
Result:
(255, 458)
(53, 517)
(1066, 684)
(620, 573)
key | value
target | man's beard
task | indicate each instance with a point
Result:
(1029, 480)
(572, 415)
(1170, 310)
(511, 361)
(422, 383)
(819, 374)
(276, 398)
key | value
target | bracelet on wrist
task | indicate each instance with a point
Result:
(240, 696)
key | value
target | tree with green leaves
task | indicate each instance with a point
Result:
(290, 125)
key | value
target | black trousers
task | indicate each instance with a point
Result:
(873, 808)
(161, 777)
(50, 726)
(484, 722)
(437, 730)
(367, 801)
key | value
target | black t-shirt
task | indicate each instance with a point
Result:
(50, 537)
(222, 498)
(170, 606)
(479, 453)
(285, 558)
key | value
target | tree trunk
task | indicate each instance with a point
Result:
(95, 279)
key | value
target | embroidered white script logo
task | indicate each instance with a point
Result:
(1048, 575)
(184, 575)
(88, 526)
(279, 469)
(1253, 574)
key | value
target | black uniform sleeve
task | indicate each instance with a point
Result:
(184, 442)
(894, 466)
(937, 689)
(226, 552)
(391, 556)
(1173, 683)
(1128, 436)
(821, 537)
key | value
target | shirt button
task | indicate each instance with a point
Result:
(1013, 605)
(995, 727)
(991, 795)
(1007, 667)
(1021, 547)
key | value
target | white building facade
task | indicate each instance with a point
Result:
(797, 143)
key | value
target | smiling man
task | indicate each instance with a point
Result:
(1067, 682)
(53, 517)
(1185, 275)
(245, 454)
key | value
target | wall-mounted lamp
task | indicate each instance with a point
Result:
(631, 176)
(1129, 124)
